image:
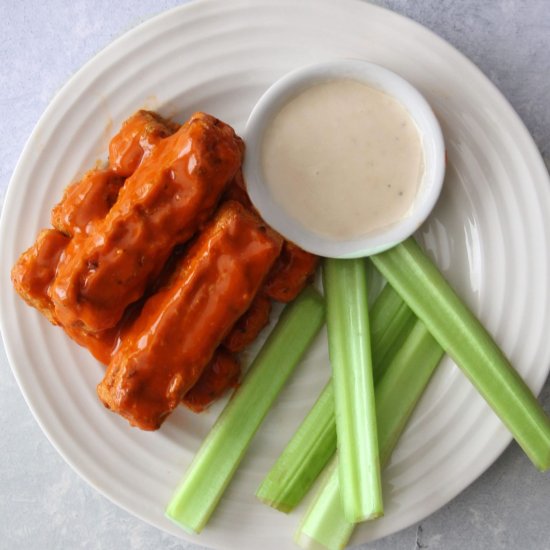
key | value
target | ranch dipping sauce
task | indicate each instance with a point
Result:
(343, 158)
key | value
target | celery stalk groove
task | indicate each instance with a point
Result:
(225, 445)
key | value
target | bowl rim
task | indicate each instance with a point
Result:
(382, 78)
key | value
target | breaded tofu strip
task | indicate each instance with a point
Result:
(35, 269)
(248, 327)
(86, 201)
(168, 347)
(93, 196)
(290, 274)
(32, 276)
(165, 201)
(221, 374)
(292, 271)
(136, 139)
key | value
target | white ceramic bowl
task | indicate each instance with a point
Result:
(378, 77)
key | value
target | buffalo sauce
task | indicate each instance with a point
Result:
(86, 201)
(83, 204)
(290, 274)
(136, 139)
(167, 348)
(221, 374)
(249, 325)
(35, 269)
(172, 193)
(32, 276)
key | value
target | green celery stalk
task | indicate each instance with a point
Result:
(303, 459)
(397, 393)
(224, 447)
(345, 285)
(314, 443)
(453, 325)
(403, 384)
(391, 320)
(324, 525)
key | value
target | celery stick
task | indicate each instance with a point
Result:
(225, 445)
(303, 458)
(324, 524)
(314, 442)
(462, 336)
(345, 285)
(402, 385)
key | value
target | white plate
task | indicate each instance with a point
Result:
(489, 234)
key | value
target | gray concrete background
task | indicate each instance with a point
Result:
(43, 503)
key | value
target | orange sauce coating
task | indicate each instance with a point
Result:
(82, 205)
(136, 139)
(170, 195)
(221, 374)
(34, 271)
(32, 276)
(249, 325)
(91, 198)
(167, 348)
(292, 271)
(86, 201)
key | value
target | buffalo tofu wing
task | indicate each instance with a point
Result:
(248, 327)
(35, 269)
(163, 203)
(166, 350)
(86, 201)
(136, 139)
(32, 276)
(293, 270)
(220, 375)
(93, 196)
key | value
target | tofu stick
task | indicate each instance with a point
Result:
(165, 201)
(167, 348)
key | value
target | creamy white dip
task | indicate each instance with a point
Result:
(343, 158)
